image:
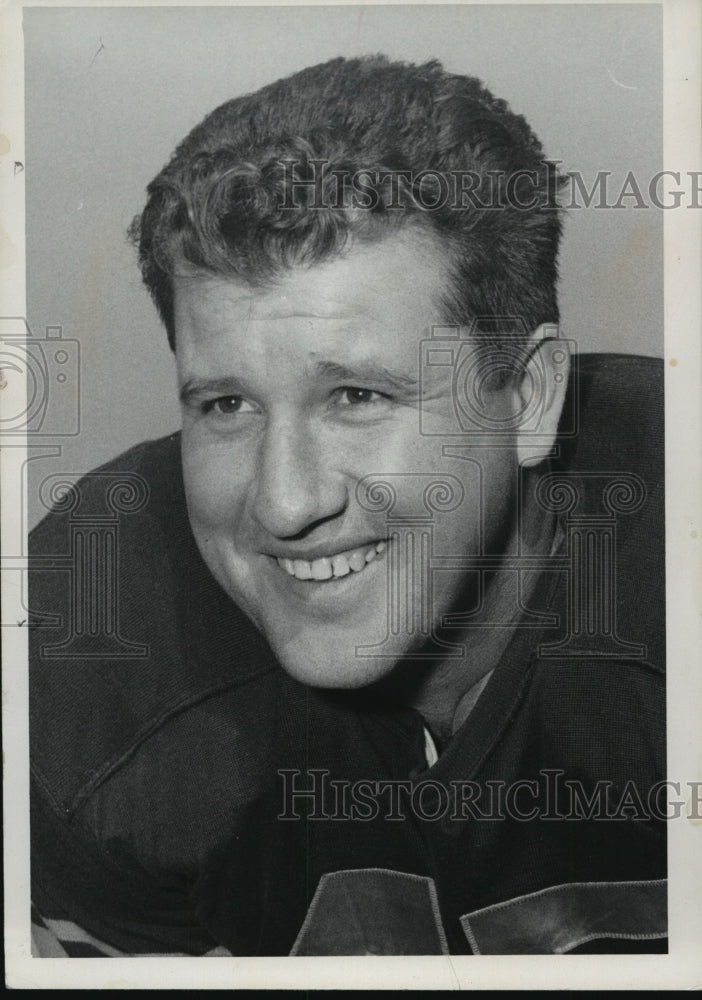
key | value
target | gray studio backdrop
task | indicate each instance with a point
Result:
(110, 91)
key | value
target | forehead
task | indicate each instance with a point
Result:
(377, 288)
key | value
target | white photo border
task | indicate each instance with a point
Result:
(681, 968)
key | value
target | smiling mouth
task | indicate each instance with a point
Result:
(335, 566)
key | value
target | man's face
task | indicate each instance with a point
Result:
(291, 396)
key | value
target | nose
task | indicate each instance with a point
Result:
(297, 485)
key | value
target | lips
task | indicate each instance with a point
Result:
(335, 565)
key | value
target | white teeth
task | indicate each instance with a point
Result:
(357, 561)
(302, 569)
(322, 569)
(341, 564)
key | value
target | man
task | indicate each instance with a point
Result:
(369, 660)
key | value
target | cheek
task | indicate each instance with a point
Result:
(215, 495)
(488, 481)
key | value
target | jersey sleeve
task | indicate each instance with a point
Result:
(95, 691)
(93, 898)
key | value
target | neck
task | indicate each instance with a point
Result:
(446, 692)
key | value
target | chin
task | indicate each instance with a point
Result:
(323, 665)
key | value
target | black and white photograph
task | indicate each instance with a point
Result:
(350, 426)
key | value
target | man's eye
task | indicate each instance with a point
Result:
(226, 406)
(351, 396)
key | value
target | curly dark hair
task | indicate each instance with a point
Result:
(233, 201)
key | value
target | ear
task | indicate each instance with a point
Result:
(546, 374)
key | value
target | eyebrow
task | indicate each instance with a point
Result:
(363, 371)
(224, 385)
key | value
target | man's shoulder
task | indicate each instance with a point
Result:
(128, 627)
(603, 663)
(615, 461)
(614, 415)
(146, 479)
